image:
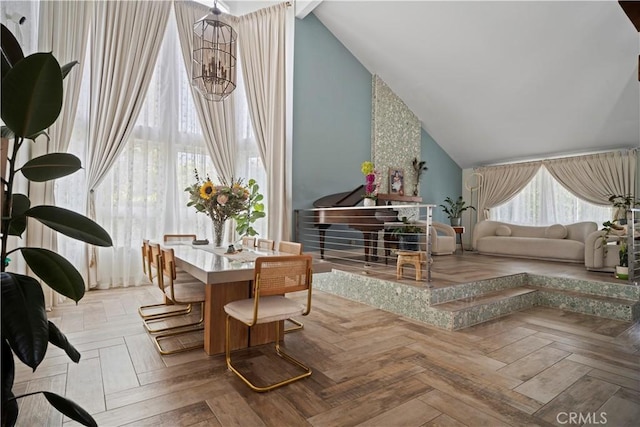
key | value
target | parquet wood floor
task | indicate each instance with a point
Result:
(540, 367)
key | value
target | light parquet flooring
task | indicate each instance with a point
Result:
(371, 368)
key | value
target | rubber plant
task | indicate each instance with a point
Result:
(31, 102)
(254, 211)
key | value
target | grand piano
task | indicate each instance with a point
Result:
(364, 220)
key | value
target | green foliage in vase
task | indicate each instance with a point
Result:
(254, 211)
(31, 103)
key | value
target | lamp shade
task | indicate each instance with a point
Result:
(213, 67)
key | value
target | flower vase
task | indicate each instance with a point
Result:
(218, 232)
(369, 202)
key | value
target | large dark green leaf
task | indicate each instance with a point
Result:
(11, 49)
(32, 94)
(24, 320)
(66, 68)
(20, 205)
(50, 166)
(71, 224)
(70, 409)
(55, 271)
(9, 404)
(57, 338)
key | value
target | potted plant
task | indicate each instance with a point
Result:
(454, 209)
(622, 203)
(619, 232)
(408, 234)
(31, 102)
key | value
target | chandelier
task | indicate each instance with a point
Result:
(213, 67)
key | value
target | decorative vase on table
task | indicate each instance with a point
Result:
(369, 201)
(218, 232)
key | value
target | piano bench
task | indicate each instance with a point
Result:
(415, 258)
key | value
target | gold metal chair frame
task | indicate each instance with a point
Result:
(146, 317)
(168, 269)
(307, 285)
(295, 249)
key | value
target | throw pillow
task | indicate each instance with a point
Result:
(503, 231)
(555, 231)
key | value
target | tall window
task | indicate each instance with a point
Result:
(143, 195)
(544, 202)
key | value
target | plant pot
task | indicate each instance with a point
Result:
(622, 272)
(409, 242)
(369, 202)
(455, 222)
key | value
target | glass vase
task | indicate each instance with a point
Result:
(218, 232)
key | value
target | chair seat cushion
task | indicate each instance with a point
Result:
(270, 309)
(186, 292)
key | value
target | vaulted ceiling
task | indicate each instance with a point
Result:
(496, 81)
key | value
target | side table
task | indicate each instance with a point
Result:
(459, 232)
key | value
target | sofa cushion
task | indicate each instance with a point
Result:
(503, 230)
(555, 231)
(532, 247)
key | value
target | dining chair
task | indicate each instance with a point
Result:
(172, 238)
(266, 244)
(186, 290)
(293, 248)
(150, 267)
(274, 277)
(248, 242)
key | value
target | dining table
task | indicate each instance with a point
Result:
(228, 276)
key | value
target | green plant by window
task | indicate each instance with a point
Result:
(254, 211)
(455, 208)
(31, 103)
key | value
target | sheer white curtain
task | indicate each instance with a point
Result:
(544, 201)
(262, 40)
(63, 30)
(126, 37)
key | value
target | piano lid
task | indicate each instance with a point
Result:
(341, 200)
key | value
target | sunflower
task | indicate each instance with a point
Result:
(207, 190)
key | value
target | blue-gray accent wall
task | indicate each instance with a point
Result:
(332, 124)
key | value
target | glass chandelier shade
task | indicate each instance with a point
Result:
(213, 67)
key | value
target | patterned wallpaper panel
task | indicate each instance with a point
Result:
(395, 136)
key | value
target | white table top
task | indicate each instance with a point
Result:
(211, 265)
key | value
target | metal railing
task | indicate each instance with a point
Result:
(366, 238)
(633, 247)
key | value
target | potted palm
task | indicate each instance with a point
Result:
(454, 209)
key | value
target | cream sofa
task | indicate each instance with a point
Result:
(443, 239)
(554, 243)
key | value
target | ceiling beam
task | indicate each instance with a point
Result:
(305, 7)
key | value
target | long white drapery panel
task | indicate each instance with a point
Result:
(125, 40)
(262, 42)
(217, 119)
(598, 176)
(501, 183)
(63, 30)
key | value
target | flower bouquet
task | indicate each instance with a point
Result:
(219, 201)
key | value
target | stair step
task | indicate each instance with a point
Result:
(596, 305)
(484, 299)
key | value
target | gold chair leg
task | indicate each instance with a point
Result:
(180, 330)
(181, 311)
(172, 328)
(299, 326)
(307, 371)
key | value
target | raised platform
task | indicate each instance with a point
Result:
(460, 305)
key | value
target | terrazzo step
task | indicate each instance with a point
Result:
(465, 312)
(595, 305)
